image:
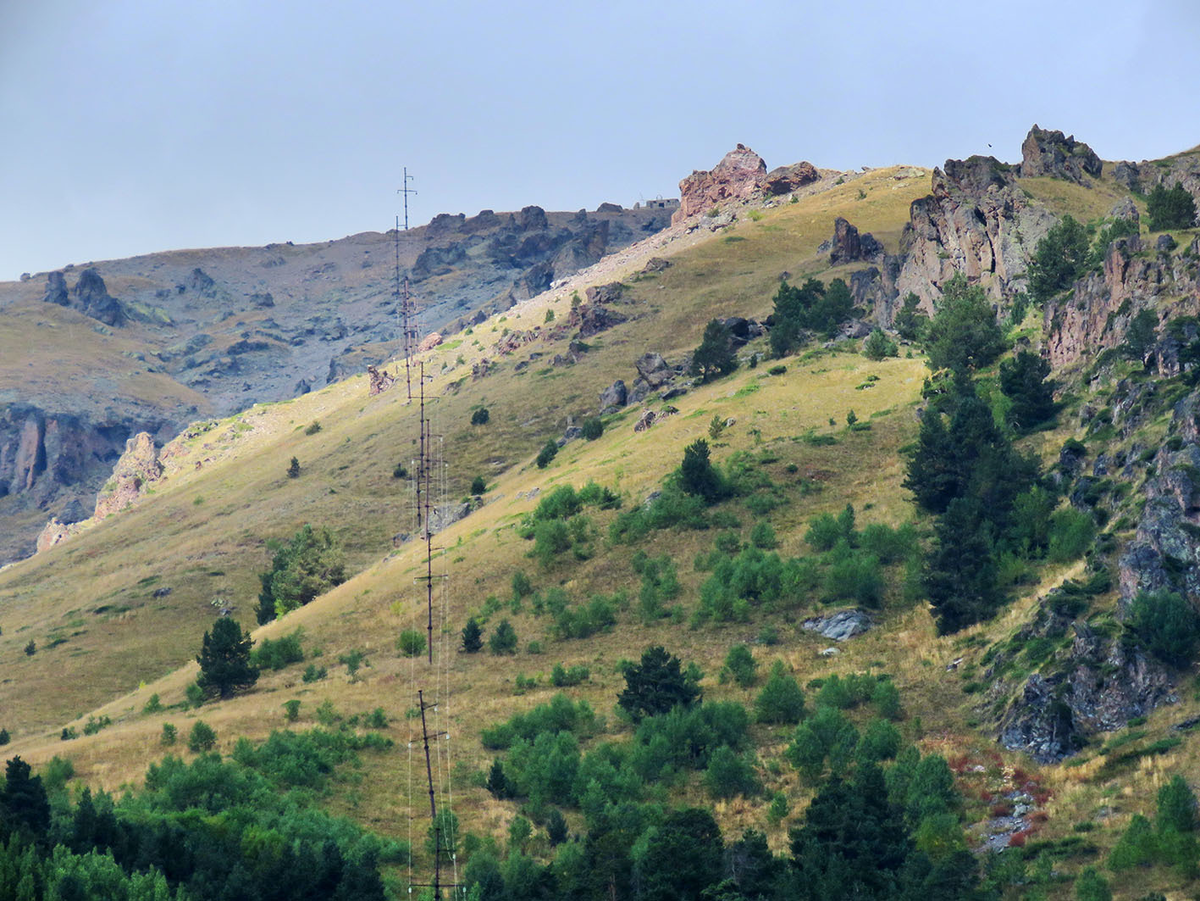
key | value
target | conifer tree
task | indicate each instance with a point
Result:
(225, 667)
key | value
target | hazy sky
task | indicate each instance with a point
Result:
(130, 126)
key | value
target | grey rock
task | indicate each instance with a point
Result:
(673, 393)
(1051, 153)
(56, 289)
(1128, 174)
(572, 433)
(162, 592)
(1165, 244)
(72, 512)
(848, 246)
(1126, 209)
(614, 396)
(445, 515)
(601, 294)
(840, 626)
(91, 297)
(654, 369)
(656, 264)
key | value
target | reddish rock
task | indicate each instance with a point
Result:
(738, 176)
(138, 467)
(380, 381)
(787, 179)
(429, 342)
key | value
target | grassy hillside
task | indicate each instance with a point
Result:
(106, 644)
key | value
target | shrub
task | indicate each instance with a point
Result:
(781, 700)
(911, 322)
(548, 452)
(740, 665)
(201, 738)
(730, 774)
(314, 673)
(827, 735)
(478, 485)
(878, 345)
(352, 660)
(169, 734)
(154, 705)
(1166, 624)
(561, 714)
(1091, 886)
(964, 334)
(592, 428)
(714, 357)
(697, 475)
(887, 544)
(31, 648)
(293, 470)
(857, 577)
(291, 710)
(1061, 257)
(480, 416)
(563, 677)
(275, 654)
(5, 738)
(313, 428)
(503, 639)
(308, 565)
(411, 643)
(656, 685)
(763, 536)
(1071, 534)
(225, 662)
(194, 694)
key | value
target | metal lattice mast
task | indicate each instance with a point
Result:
(404, 302)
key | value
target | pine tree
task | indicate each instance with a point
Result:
(1024, 381)
(472, 636)
(964, 335)
(293, 470)
(714, 357)
(1170, 208)
(656, 685)
(24, 806)
(960, 573)
(225, 667)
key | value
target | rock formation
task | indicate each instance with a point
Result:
(975, 221)
(741, 175)
(379, 381)
(1050, 153)
(138, 467)
(89, 296)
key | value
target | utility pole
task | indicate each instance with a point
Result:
(404, 304)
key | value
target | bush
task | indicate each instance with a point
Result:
(697, 475)
(5, 738)
(857, 577)
(740, 665)
(504, 639)
(480, 416)
(964, 334)
(275, 654)
(291, 710)
(154, 705)
(1071, 534)
(478, 485)
(656, 685)
(763, 536)
(911, 322)
(411, 643)
(592, 428)
(314, 673)
(313, 428)
(1170, 208)
(730, 774)
(308, 565)
(194, 694)
(1061, 257)
(169, 734)
(1166, 624)
(714, 357)
(561, 714)
(201, 738)
(293, 470)
(564, 677)
(781, 700)
(548, 452)
(878, 345)
(1091, 886)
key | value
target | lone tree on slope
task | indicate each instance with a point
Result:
(225, 667)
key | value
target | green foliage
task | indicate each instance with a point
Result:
(5, 738)
(1176, 808)
(592, 428)
(812, 306)
(751, 579)
(225, 667)
(911, 322)
(169, 734)
(1060, 259)
(480, 416)
(293, 470)
(854, 576)
(561, 714)
(564, 676)
(194, 694)
(313, 673)
(503, 639)
(1071, 533)
(763, 536)
(825, 736)
(472, 636)
(1091, 886)
(153, 705)
(877, 346)
(31, 648)
(781, 700)
(1166, 625)
(730, 774)
(698, 477)
(960, 580)
(1138, 846)
(1141, 336)
(714, 357)
(740, 665)
(1170, 208)
(964, 335)
(1024, 382)
(478, 485)
(307, 566)
(411, 643)
(548, 452)
(660, 584)
(313, 428)
(275, 654)
(582, 620)
(24, 805)
(352, 660)
(291, 710)
(201, 738)
(656, 684)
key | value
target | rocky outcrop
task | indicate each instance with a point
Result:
(1051, 153)
(848, 246)
(378, 381)
(89, 296)
(138, 468)
(1094, 684)
(738, 176)
(1128, 174)
(1097, 314)
(840, 626)
(653, 369)
(786, 179)
(614, 397)
(976, 221)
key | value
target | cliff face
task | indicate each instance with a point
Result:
(976, 221)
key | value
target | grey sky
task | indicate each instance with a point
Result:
(130, 126)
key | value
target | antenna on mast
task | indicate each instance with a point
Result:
(404, 303)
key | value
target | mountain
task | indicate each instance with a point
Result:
(215, 331)
(985, 528)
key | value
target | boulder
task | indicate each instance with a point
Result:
(613, 397)
(531, 217)
(840, 626)
(91, 297)
(848, 246)
(654, 369)
(786, 179)
(1126, 209)
(601, 294)
(656, 264)
(429, 342)
(379, 381)
(72, 512)
(591, 319)
(1051, 153)
(445, 515)
(609, 208)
